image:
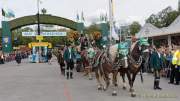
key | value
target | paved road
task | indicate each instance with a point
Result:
(43, 82)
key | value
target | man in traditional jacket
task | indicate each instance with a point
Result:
(69, 56)
(157, 66)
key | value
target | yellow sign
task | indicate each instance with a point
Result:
(50, 45)
(16, 47)
(39, 37)
(29, 45)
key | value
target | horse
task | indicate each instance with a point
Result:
(87, 60)
(103, 67)
(134, 60)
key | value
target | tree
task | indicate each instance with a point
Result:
(164, 18)
(92, 28)
(18, 39)
(134, 28)
(44, 11)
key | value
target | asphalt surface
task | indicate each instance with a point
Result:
(43, 82)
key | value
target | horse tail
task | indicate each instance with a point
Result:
(140, 64)
(140, 61)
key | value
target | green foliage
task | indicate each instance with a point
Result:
(44, 11)
(134, 28)
(164, 18)
(18, 39)
(92, 28)
(55, 40)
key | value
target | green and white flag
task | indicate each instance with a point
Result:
(8, 13)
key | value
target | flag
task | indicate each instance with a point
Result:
(82, 16)
(77, 17)
(40, 1)
(111, 10)
(112, 7)
(3, 13)
(106, 17)
(11, 13)
(114, 33)
(101, 17)
(8, 13)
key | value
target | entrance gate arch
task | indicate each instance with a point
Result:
(8, 26)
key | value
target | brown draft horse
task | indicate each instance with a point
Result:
(134, 67)
(86, 64)
(105, 68)
(131, 72)
(102, 69)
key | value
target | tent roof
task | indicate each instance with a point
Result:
(149, 30)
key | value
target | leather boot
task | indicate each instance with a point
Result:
(71, 75)
(157, 87)
(67, 74)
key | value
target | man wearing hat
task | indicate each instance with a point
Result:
(69, 56)
(156, 64)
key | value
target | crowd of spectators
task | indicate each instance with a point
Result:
(168, 69)
(8, 57)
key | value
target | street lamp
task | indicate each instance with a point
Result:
(38, 21)
(38, 17)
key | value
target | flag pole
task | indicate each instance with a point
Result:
(110, 21)
(38, 17)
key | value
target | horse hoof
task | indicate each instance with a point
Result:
(114, 93)
(90, 78)
(104, 88)
(124, 88)
(116, 85)
(131, 90)
(99, 88)
(133, 95)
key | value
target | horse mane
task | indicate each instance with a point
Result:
(113, 51)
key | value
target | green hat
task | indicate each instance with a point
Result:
(143, 41)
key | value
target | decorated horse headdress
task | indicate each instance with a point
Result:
(143, 42)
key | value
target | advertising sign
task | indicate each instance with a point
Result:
(45, 34)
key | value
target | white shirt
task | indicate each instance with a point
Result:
(132, 46)
(70, 53)
(159, 54)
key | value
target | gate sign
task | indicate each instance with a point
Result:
(53, 33)
(45, 34)
(39, 37)
(28, 33)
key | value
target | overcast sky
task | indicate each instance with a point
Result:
(125, 10)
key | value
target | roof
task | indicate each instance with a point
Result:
(149, 30)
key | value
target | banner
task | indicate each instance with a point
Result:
(45, 34)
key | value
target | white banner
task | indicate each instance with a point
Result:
(54, 34)
(45, 33)
(28, 33)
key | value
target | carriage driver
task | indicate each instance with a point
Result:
(123, 50)
(90, 53)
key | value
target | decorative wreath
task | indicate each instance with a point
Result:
(73, 36)
(96, 35)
